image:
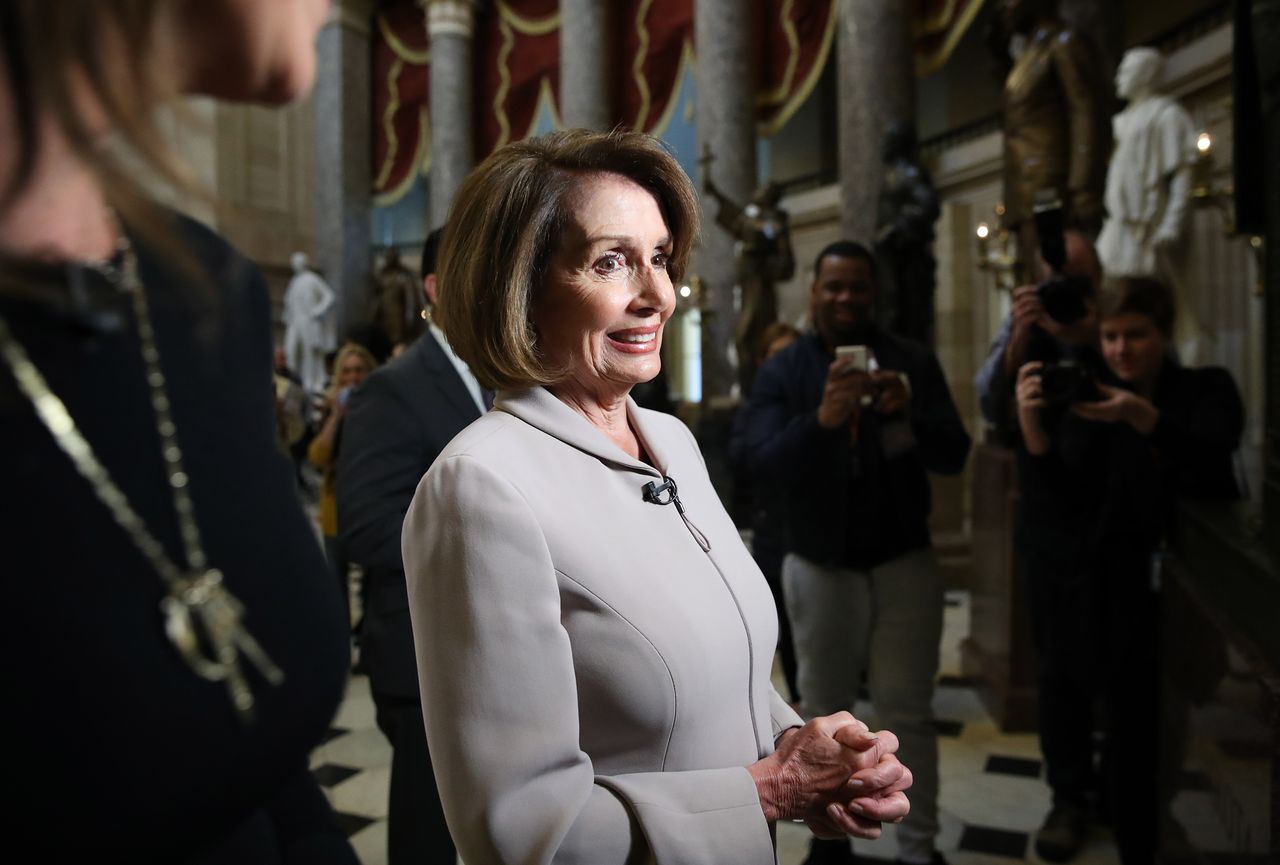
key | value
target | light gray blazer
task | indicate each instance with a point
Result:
(594, 682)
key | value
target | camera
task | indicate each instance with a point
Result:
(1062, 296)
(1067, 382)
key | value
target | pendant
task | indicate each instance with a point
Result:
(203, 621)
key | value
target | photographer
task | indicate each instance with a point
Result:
(1031, 333)
(1101, 469)
(847, 441)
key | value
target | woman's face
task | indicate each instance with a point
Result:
(352, 371)
(1134, 348)
(607, 292)
(249, 50)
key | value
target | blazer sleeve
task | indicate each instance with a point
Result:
(781, 445)
(501, 706)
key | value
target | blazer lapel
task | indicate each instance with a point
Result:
(444, 375)
(539, 408)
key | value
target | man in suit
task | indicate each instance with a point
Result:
(396, 425)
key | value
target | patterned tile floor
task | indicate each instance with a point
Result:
(993, 794)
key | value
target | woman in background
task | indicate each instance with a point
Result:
(351, 366)
(180, 649)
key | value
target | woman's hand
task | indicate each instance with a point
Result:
(876, 795)
(1120, 405)
(1030, 398)
(836, 775)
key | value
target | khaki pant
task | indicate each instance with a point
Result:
(886, 622)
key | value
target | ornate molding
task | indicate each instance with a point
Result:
(450, 18)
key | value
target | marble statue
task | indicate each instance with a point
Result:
(308, 324)
(397, 301)
(1148, 192)
(907, 211)
(765, 257)
(1149, 181)
(1055, 135)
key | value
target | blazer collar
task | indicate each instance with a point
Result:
(539, 408)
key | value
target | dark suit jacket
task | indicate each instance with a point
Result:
(396, 424)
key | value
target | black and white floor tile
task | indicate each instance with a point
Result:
(992, 799)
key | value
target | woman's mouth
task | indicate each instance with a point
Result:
(636, 340)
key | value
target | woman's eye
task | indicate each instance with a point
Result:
(611, 263)
(660, 259)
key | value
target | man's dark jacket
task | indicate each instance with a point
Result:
(853, 505)
(396, 425)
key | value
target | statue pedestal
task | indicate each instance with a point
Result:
(998, 654)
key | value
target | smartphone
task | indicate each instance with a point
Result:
(854, 357)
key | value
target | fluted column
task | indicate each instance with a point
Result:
(726, 131)
(586, 94)
(450, 28)
(342, 155)
(876, 88)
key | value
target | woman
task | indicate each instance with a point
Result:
(351, 366)
(1156, 433)
(180, 649)
(595, 664)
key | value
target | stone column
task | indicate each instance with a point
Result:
(875, 88)
(342, 156)
(725, 131)
(450, 26)
(586, 91)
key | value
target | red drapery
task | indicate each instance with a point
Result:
(938, 27)
(517, 49)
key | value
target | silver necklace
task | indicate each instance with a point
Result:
(202, 619)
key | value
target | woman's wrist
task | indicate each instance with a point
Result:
(766, 774)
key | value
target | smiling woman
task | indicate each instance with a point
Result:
(595, 666)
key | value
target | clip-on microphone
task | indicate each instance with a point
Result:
(653, 492)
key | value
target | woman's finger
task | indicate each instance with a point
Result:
(854, 820)
(880, 779)
(884, 809)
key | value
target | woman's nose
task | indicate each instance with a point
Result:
(654, 288)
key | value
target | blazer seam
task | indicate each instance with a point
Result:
(675, 696)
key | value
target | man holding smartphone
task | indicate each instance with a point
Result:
(847, 422)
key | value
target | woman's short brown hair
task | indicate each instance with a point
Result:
(506, 224)
(1142, 296)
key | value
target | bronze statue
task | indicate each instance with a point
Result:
(397, 301)
(1056, 134)
(764, 257)
(904, 237)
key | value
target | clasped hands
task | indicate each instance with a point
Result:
(837, 776)
(847, 390)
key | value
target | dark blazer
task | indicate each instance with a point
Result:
(813, 465)
(396, 424)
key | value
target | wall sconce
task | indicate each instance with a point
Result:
(997, 251)
(1205, 192)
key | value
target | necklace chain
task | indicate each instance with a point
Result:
(202, 617)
